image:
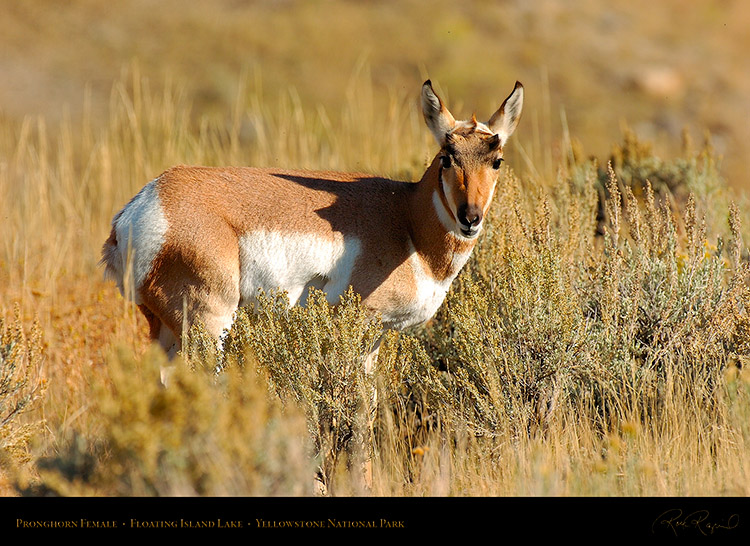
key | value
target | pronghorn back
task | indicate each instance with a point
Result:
(205, 239)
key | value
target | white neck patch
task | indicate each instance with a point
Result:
(442, 214)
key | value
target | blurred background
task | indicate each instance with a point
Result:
(590, 67)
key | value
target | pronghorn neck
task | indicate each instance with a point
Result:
(439, 247)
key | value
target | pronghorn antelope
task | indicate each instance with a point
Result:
(200, 241)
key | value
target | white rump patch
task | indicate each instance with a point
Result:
(293, 262)
(140, 229)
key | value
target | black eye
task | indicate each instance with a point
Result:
(496, 163)
(445, 161)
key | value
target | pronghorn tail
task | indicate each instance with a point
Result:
(112, 258)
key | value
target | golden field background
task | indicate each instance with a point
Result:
(654, 65)
(98, 98)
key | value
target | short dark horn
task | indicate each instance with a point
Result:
(494, 142)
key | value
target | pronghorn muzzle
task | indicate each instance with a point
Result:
(470, 219)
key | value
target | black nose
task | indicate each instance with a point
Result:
(469, 215)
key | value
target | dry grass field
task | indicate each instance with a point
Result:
(597, 343)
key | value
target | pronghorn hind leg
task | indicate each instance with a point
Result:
(159, 332)
(169, 342)
(154, 322)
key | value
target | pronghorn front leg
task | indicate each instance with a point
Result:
(371, 407)
(363, 473)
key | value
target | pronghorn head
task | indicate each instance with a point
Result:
(470, 156)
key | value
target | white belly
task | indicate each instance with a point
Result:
(271, 261)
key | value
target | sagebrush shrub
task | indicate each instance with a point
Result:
(21, 386)
(314, 357)
(206, 434)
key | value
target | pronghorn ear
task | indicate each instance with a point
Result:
(439, 120)
(504, 121)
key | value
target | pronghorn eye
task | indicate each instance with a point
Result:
(445, 161)
(496, 163)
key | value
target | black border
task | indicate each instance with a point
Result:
(504, 518)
